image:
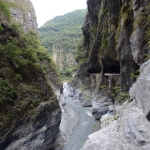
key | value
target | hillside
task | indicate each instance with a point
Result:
(27, 81)
(61, 35)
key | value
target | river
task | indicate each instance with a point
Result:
(85, 125)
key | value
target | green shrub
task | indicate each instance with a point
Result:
(17, 78)
(4, 9)
(36, 102)
(7, 94)
(122, 97)
(1, 28)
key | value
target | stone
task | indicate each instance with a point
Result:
(106, 119)
(38, 134)
(140, 90)
(129, 132)
(24, 13)
(100, 106)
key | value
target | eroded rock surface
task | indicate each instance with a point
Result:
(140, 90)
(31, 120)
(38, 134)
(128, 129)
(23, 12)
(129, 132)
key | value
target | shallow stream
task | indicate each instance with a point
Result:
(85, 125)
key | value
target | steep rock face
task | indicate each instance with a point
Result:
(29, 110)
(140, 90)
(116, 35)
(38, 134)
(23, 12)
(63, 60)
(129, 132)
(99, 34)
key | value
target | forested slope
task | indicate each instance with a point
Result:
(27, 79)
(61, 35)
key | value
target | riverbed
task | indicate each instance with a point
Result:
(80, 124)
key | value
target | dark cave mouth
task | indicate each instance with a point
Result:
(110, 69)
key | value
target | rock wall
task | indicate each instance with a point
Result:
(116, 38)
(22, 11)
(139, 91)
(63, 59)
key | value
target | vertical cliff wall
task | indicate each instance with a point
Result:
(115, 38)
(22, 11)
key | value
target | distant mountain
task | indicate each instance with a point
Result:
(61, 35)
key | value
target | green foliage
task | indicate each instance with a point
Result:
(117, 95)
(67, 74)
(147, 33)
(126, 14)
(7, 94)
(36, 102)
(118, 33)
(123, 96)
(22, 65)
(86, 96)
(104, 42)
(94, 30)
(1, 28)
(80, 51)
(63, 31)
(103, 87)
(4, 9)
(135, 74)
(82, 61)
(61, 35)
(116, 117)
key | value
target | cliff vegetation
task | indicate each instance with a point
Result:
(23, 67)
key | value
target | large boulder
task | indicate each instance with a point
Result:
(129, 132)
(100, 106)
(140, 90)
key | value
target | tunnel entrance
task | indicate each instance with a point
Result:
(109, 68)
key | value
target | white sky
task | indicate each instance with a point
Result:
(48, 9)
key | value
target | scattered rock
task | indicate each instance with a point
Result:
(100, 106)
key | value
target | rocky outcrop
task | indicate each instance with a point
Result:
(100, 106)
(128, 129)
(116, 38)
(22, 11)
(38, 134)
(116, 41)
(140, 90)
(129, 132)
(63, 59)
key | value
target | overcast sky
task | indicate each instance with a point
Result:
(48, 9)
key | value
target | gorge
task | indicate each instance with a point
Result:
(111, 83)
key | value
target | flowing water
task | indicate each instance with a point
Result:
(86, 125)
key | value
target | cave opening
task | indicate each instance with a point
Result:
(111, 68)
